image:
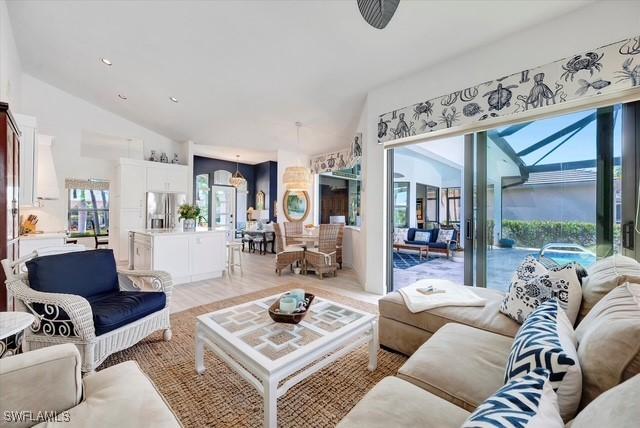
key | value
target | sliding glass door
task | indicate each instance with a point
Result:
(564, 188)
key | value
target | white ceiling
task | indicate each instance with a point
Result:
(245, 71)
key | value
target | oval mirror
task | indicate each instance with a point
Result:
(296, 205)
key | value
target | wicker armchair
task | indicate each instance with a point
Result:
(68, 318)
(323, 259)
(286, 255)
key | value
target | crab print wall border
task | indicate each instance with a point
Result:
(604, 70)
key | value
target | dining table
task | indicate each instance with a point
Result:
(309, 239)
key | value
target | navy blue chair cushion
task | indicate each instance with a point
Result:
(434, 235)
(417, 242)
(437, 245)
(411, 234)
(116, 309)
(83, 273)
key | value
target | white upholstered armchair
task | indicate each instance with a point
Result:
(98, 323)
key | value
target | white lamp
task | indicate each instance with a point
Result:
(47, 177)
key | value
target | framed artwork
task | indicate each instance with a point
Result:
(260, 196)
(296, 205)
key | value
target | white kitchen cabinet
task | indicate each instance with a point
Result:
(206, 251)
(128, 220)
(28, 160)
(172, 253)
(167, 178)
(133, 186)
(186, 256)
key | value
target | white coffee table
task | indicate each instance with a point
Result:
(265, 352)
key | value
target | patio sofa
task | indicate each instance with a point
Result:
(447, 247)
(463, 361)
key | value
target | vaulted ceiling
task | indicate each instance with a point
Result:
(245, 71)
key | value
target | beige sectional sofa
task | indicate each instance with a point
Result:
(45, 388)
(459, 355)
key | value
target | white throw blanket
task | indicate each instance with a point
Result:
(453, 295)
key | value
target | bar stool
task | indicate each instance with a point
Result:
(234, 249)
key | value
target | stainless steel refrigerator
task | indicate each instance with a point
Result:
(162, 209)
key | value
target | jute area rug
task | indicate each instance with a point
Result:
(222, 398)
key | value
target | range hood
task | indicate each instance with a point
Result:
(47, 178)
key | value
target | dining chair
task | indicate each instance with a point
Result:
(339, 246)
(99, 240)
(322, 259)
(286, 255)
(292, 228)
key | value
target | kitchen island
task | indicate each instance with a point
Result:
(187, 256)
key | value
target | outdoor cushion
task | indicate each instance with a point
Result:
(422, 235)
(618, 407)
(83, 273)
(394, 402)
(113, 310)
(417, 243)
(446, 235)
(438, 245)
(604, 276)
(609, 341)
(485, 317)
(462, 364)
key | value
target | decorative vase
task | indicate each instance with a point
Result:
(189, 225)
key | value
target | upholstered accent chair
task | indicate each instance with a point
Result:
(323, 260)
(286, 255)
(81, 298)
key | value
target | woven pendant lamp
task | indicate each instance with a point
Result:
(297, 178)
(237, 180)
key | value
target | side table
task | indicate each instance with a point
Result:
(12, 326)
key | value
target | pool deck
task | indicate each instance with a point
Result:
(501, 265)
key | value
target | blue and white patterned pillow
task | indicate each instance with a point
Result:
(525, 402)
(422, 236)
(547, 340)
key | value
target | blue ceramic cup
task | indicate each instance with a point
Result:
(298, 293)
(288, 304)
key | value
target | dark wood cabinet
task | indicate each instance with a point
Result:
(9, 192)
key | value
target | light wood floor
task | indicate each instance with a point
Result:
(259, 274)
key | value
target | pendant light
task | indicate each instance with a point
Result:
(237, 180)
(297, 178)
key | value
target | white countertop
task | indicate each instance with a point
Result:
(173, 232)
(45, 235)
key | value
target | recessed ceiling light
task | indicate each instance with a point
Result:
(174, 99)
(122, 97)
(105, 61)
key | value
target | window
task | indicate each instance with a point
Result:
(452, 204)
(340, 196)
(401, 204)
(202, 196)
(88, 212)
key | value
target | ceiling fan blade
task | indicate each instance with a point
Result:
(378, 13)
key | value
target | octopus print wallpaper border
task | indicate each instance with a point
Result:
(341, 159)
(608, 69)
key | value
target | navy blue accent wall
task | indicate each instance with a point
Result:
(267, 181)
(263, 176)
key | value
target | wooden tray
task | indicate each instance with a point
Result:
(293, 318)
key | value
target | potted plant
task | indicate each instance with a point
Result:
(190, 214)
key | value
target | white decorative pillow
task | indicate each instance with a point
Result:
(525, 402)
(422, 236)
(445, 235)
(400, 235)
(533, 284)
(547, 340)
